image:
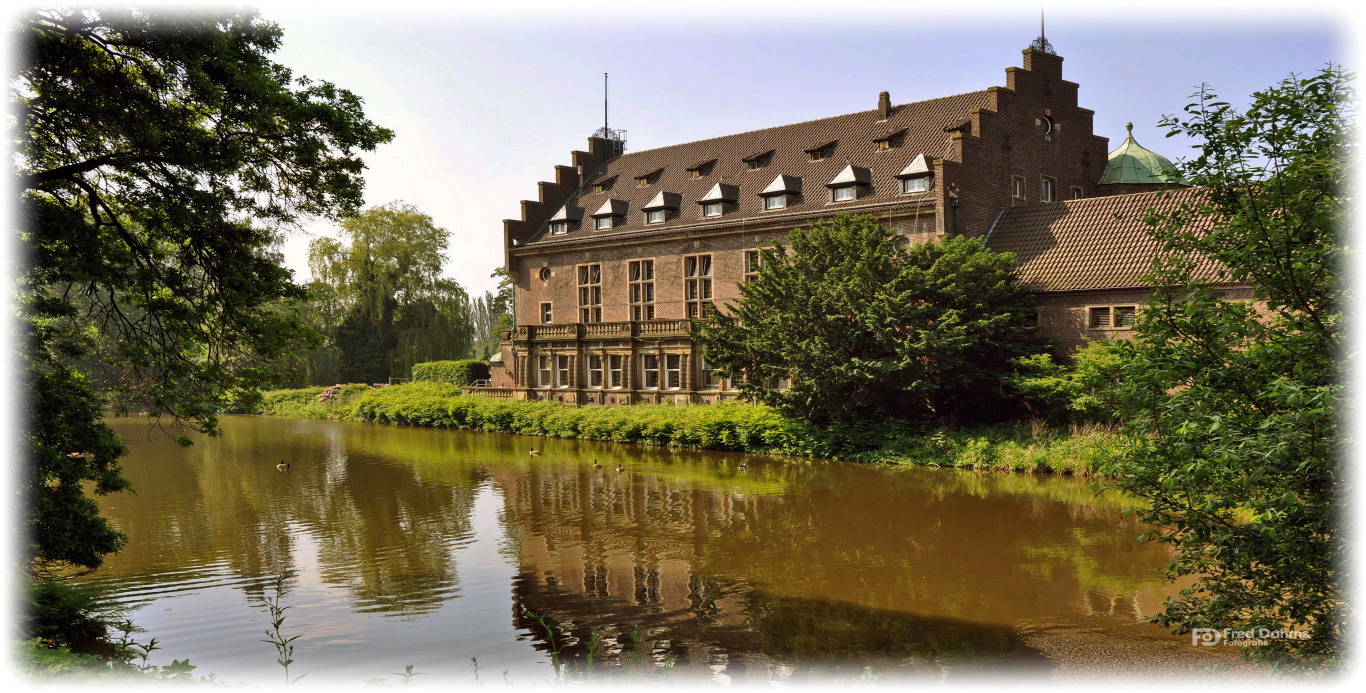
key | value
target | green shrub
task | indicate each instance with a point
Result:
(453, 372)
(78, 617)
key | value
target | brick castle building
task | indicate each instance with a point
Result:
(622, 250)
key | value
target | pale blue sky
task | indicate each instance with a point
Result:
(486, 103)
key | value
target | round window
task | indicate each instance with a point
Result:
(1046, 124)
(545, 274)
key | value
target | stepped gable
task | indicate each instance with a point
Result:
(854, 136)
(1095, 243)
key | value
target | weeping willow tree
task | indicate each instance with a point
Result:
(379, 300)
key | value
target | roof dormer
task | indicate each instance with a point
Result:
(890, 140)
(649, 178)
(917, 176)
(658, 208)
(603, 184)
(822, 151)
(609, 214)
(782, 192)
(565, 220)
(759, 160)
(849, 183)
(719, 200)
(701, 168)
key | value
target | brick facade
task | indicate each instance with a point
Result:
(583, 332)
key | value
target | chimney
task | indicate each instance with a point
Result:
(884, 105)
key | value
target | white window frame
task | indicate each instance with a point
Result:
(559, 228)
(601, 223)
(844, 193)
(673, 372)
(616, 371)
(697, 284)
(640, 289)
(564, 370)
(1017, 187)
(649, 371)
(918, 184)
(547, 312)
(592, 366)
(1048, 190)
(754, 264)
(775, 201)
(544, 370)
(656, 216)
(713, 209)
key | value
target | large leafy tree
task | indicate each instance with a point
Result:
(158, 157)
(1236, 404)
(380, 299)
(866, 327)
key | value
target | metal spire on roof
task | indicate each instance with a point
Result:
(1041, 44)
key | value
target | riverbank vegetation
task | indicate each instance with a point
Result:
(1033, 446)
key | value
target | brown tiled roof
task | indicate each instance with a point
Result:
(923, 122)
(1096, 243)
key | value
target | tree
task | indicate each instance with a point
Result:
(1084, 391)
(380, 299)
(159, 157)
(868, 328)
(1235, 404)
(490, 314)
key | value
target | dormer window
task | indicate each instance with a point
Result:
(701, 168)
(917, 177)
(565, 220)
(822, 152)
(649, 178)
(719, 199)
(658, 208)
(609, 214)
(603, 184)
(781, 192)
(890, 140)
(757, 161)
(845, 186)
(919, 184)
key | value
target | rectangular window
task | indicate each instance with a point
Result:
(712, 209)
(1111, 317)
(1076, 193)
(542, 371)
(695, 173)
(590, 293)
(601, 223)
(775, 202)
(654, 216)
(1046, 190)
(562, 371)
(915, 185)
(697, 284)
(706, 377)
(615, 376)
(547, 316)
(754, 263)
(1017, 187)
(848, 192)
(559, 228)
(642, 289)
(673, 371)
(649, 372)
(592, 365)
(884, 145)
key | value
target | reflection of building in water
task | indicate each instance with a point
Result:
(803, 584)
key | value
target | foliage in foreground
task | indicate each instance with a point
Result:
(1085, 391)
(157, 155)
(869, 329)
(1236, 405)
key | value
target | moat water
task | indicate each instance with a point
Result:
(447, 549)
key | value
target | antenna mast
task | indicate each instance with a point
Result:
(1041, 44)
(616, 139)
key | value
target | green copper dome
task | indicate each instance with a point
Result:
(1131, 163)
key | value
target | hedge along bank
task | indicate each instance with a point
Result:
(727, 426)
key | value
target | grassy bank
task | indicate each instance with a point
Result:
(1017, 446)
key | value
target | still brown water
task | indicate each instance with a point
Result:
(432, 548)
